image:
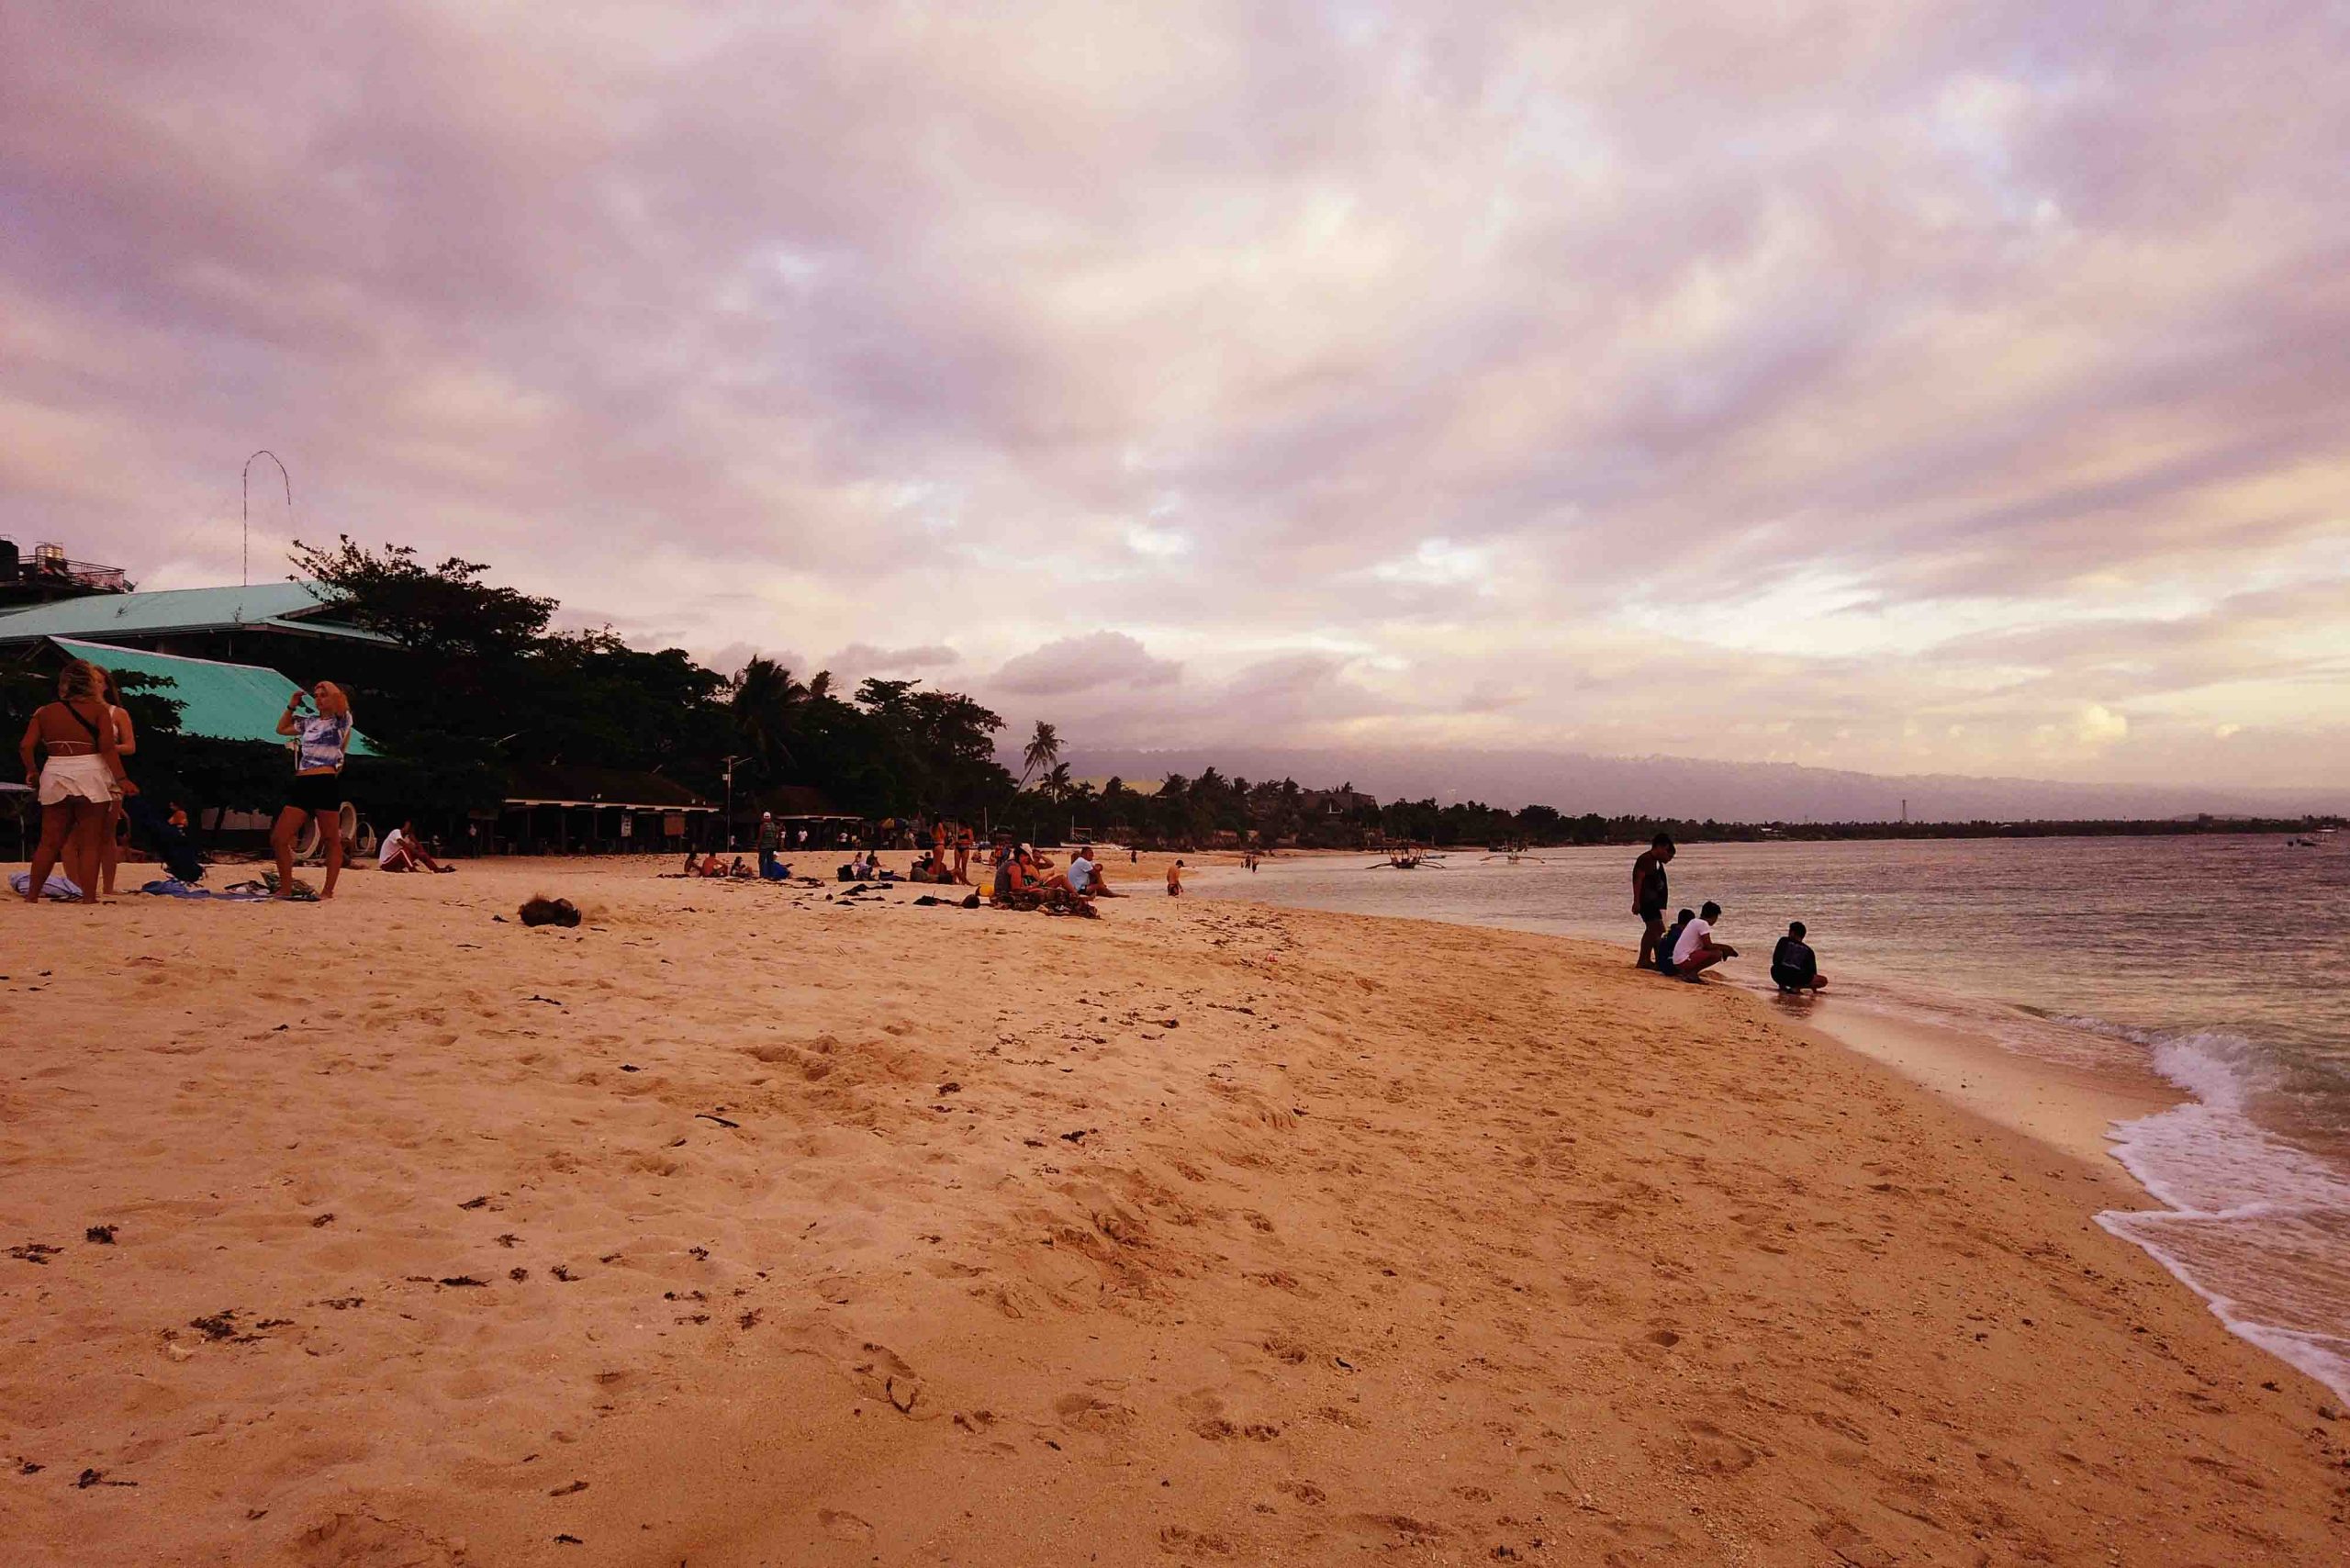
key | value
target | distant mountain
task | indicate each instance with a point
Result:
(1688, 787)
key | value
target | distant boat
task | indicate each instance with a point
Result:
(2300, 844)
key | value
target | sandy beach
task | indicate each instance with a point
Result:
(746, 1226)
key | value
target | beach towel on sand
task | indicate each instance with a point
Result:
(59, 886)
(173, 887)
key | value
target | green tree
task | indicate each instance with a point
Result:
(1043, 750)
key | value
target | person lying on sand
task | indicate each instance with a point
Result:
(1696, 951)
(1793, 967)
(402, 852)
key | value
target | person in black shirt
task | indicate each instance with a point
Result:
(1650, 894)
(1793, 967)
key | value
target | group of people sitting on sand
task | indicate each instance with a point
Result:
(1024, 878)
(715, 864)
(1688, 949)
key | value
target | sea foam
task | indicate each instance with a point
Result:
(2253, 1222)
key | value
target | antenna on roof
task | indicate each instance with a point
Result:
(286, 478)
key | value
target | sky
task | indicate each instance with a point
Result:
(1895, 388)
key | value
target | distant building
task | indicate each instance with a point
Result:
(1323, 802)
(1145, 787)
(45, 575)
(561, 809)
(276, 623)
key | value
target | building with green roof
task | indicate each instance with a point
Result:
(279, 621)
(218, 702)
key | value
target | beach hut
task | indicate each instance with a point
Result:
(568, 809)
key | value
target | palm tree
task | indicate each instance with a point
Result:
(1043, 750)
(767, 703)
(1055, 785)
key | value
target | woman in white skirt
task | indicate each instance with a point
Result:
(79, 778)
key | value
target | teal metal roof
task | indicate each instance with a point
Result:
(219, 701)
(284, 607)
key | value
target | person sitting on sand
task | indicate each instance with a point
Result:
(1650, 893)
(1175, 880)
(1042, 874)
(1696, 951)
(1015, 885)
(1793, 966)
(1085, 876)
(713, 864)
(401, 851)
(1664, 944)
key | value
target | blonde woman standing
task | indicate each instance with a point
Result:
(321, 743)
(79, 778)
(126, 744)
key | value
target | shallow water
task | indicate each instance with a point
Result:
(2221, 963)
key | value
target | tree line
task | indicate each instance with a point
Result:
(474, 680)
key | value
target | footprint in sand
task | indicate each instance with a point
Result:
(844, 1526)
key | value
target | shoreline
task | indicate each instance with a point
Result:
(1208, 1231)
(2072, 1110)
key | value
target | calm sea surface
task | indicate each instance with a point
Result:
(2221, 962)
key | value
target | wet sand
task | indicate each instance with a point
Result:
(744, 1226)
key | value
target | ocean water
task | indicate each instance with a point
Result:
(2221, 963)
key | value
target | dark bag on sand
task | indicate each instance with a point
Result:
(168, 844)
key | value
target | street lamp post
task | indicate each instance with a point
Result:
(730, 803)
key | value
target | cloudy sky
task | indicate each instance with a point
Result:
(1925, 387)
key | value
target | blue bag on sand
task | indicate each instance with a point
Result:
(169, 845)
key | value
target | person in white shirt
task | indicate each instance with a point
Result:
(1085, 876)
(401, 852)
(1696, 951)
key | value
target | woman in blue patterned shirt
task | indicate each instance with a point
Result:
(322, 742)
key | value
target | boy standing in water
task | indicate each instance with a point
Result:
(1649, 895)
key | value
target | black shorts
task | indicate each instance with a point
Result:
(1652, 917)
(320, 794)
